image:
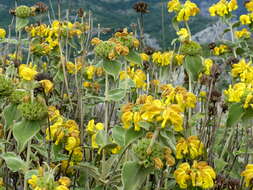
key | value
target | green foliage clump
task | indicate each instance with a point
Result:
(33, 111)
(140, 150)
(17, 96)
(6, 86)
(191, 48)
(23, 11)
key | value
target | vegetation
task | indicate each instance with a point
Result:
(83, 110)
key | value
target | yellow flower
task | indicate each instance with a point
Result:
(1, 182)
(53, 113)
(244, 33)
(236, 92)
(72, 142)
(91, 126)
(183, 34)
(158, 163)
(245, 19)
(208, 63)
(163, 59)
(47, 85)
(93, 141)
(126, 119)
(179, 58)
(248, 174)
(90, 71)
(144, 57)
(249, 5)
(182, 175)
(2, 33)
(223, 7)
(191, 146)
(202, 175)
(136, 120)
(221, 49)
(173, 113)
(27, 72)
(139, 79)
(73, 68)
(173, 5)
(187, 10)
(95, 41)
(33, 181)
(62, 187)
(65, 181)
(202, 94)
(232, 5)
(248, 99)
(116, 150)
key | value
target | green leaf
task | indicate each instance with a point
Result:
(21, 23)
(133, 175)
(134, 57)
(193, 66)
(127, 83)
(112, 67)
(235, 113)
(13, 161)
(10, 114)
(236, 24)
(132, 135)
(118, 135)
(219, 164)
(24, 131)
(116, 94)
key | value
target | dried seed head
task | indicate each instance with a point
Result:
(211, 45)
(41, 7)
(80, 12)
(141, 7)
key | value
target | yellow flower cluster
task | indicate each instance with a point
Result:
(163, 59)
(178, 95)
(27, 72)
(249, 5)
(138, 76)
(183, 11)
(208, 63)
(243, 70)
(168, 111)
(248, 175)
(144, 57)
(167, 58)
(46, 181)
(223, 7)
(48, 36)
(183, 34)
(94, 86)
(244, 33)
(73, 68)
(64, 131)
(91, 71)
(191, 146)
(221, 49)
(119, 45)
(2, 33)
(93, 129)
(47, 85)
(234, 93)
(200, 174)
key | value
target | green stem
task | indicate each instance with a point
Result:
(27, 162)
(189, 30)
(106, 101)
